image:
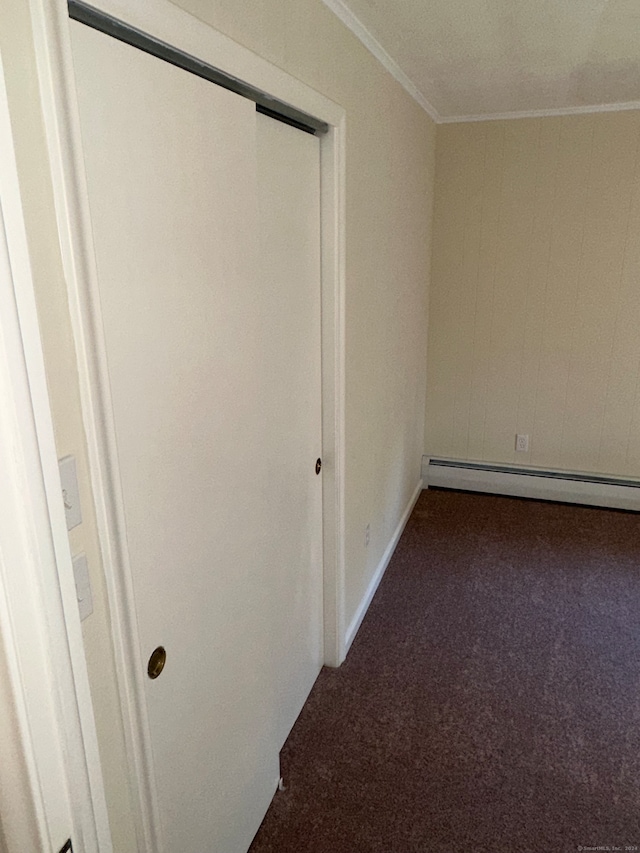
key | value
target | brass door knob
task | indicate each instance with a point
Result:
(156, 662)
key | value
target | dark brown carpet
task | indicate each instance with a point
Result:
(491, 700)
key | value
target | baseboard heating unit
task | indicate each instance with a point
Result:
(566, 486)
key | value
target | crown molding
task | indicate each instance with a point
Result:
(341, 11)
(560, 111)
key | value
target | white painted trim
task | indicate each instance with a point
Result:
(50, 776)
(33, 762)
(355, 25)
(333, 264)
(381, 568)
(163, 20)
(560, 111)
(529, 483)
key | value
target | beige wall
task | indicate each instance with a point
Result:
(390, 162)
(534, 302)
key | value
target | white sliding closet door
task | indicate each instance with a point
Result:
(289, 206)
(209, 288)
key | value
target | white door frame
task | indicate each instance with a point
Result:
(50, 777)
(166, 22)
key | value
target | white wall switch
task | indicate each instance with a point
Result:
(70, 491)
(522, 443)
(83, 586)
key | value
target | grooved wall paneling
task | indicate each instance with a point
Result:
(534, 322)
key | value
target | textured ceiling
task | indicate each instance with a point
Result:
(488, 57)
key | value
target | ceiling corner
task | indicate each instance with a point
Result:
(341, 11)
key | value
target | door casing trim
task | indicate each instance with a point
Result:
(51, 780)
(162, 20)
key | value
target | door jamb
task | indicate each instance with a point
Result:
(163, 20)
(51, 781)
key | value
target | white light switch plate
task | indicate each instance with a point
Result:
(70, 491)
(83, 586)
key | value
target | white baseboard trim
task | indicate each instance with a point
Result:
(360, 613)
(563, 486)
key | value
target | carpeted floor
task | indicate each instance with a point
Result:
(491, 700)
